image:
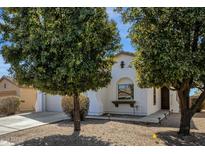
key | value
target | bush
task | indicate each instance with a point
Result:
(9, 105)
(68, 106)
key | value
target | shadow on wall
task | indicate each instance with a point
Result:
(171, 138)
(65, 140)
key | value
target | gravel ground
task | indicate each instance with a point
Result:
(104, 132)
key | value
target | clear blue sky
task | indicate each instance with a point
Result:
(123, 28)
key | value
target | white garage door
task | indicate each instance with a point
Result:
(53, 103)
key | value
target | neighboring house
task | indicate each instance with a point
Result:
(121, 96)
(8, 87)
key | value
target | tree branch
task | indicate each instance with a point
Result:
(195, 85)
(198, 103)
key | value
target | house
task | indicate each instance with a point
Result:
(28, 95)
(121, 96)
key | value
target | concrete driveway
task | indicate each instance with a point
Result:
(28, 120)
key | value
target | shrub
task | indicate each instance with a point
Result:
(9, 105)
(68, 107)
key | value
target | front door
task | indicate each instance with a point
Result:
(165, 98)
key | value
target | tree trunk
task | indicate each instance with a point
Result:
(76, 112)
(184, 129)
(186, 113)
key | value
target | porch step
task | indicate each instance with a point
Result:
(155, 118)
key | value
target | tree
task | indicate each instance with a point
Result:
(63, 51)
(171, 52)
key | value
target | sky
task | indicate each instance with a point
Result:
(123, 30)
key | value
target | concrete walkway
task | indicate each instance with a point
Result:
(28, 120)
(156, 117)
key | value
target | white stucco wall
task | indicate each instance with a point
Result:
(151, 107)
(174, 105)
(53, 103)
(96, 104)
(118, 74)
(39, 102)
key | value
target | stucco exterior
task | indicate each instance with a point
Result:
(151, 108)
(123, 75)
(27, 95)
(8, 88)
(174, 105)
(101, 101)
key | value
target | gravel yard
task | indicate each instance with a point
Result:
(104, 132)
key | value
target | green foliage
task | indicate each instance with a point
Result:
(170, 44)
(59, 50)
(67, 105)
(171, 52)
(9, 105)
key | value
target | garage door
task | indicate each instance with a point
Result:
(53, 103)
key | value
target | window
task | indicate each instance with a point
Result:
(122, 64)
(125, 91)
(4, 85)
(154, 96)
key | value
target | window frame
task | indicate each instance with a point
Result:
(132, 91)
